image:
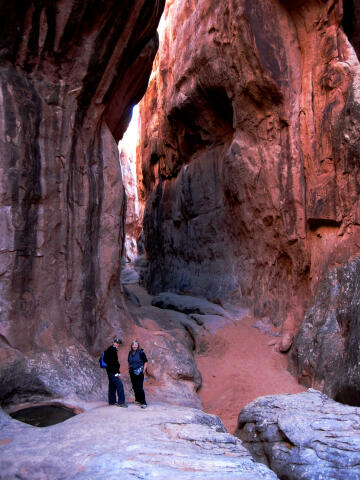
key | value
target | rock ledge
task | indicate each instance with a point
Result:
(307, 436)
(108, 442)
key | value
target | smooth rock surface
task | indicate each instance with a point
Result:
(161, 442)
(45, 375)
(307, 436)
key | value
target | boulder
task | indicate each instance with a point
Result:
(286, 342)
(160, 442)
(169, 339)
(211, 323)
(129, 275)
(44, 375)
(187, 304)
(307, 436)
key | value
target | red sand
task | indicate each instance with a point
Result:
(238, 367)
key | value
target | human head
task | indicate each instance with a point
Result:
(116, 342)
(134, 345)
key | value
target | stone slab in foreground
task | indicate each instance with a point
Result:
(162, 442)
(305, 436)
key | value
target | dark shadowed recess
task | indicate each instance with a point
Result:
(193, 134)
(349, 395)
(44, 415)
(351, 23)
(315, 223)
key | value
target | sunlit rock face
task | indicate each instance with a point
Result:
(134, 210)
(250, 151)
(70, 72)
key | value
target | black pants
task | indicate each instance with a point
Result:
(115, 385)
(137, 384)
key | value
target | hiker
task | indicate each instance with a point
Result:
(113, 372)
(137, 368)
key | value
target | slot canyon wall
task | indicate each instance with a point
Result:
(249, 163)
(133, 222)
(70, 72)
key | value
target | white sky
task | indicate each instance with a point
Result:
(130, 138)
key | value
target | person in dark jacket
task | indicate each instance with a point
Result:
(137, 368)
(113, 372)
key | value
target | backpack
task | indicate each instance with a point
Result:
(102, 362)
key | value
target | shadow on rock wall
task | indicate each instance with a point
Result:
(325, 352)
(249, 152)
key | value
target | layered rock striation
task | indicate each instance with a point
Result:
(325, 351)
(307, 436)
(70, 72)
(249, 151)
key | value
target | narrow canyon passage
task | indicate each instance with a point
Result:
(237, 361)
(249, 173)
(244, 208)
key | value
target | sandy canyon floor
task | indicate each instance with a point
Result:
(238, 363)
(239, 366)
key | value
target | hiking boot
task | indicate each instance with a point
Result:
(122, 405)
(143, 405)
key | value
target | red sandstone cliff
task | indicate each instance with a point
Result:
(250, 151)
(70, 72)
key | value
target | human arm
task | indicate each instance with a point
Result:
(145, 360)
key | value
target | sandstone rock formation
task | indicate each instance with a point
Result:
(134, 210)
(249, 151)
(187, 304)
(133, 222)
(169, 339)
(70, 72)
(326, 350)
(180, 444)
(36, 376)
(305, 436)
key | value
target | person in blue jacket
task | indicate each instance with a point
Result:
(113, 372)
(137, 369)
